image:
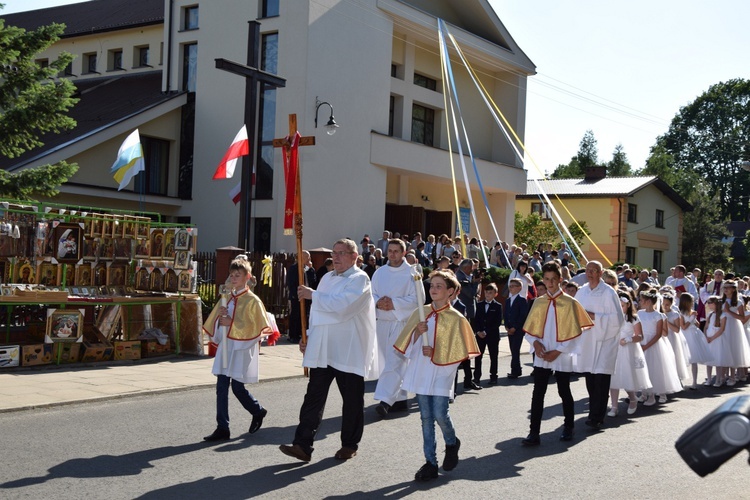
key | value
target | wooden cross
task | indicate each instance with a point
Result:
(253, 77)
(286, 143)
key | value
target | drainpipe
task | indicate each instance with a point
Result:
(169, 48)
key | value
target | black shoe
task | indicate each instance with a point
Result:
(399, 406)
(596, 426)
(531, 440)
(472, 385)
(257, 421)
(493, 381)
(451, 455)
(218, 435)
(426, 472)
(513, 376)
(382, 409)
(567, 434)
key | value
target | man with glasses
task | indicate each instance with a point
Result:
(395, 297)
(342, 346)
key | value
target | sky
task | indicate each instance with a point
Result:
(620, 69)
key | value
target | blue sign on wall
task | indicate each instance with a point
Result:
(464, 216)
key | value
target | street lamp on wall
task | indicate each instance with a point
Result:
(331, 126)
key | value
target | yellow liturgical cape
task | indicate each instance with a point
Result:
(453, 340)
(571, 317)
(249, 320)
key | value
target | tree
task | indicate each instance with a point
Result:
(32, 103)
(532, 230)
(710, 138)
(619, 166)
(587, 157)
(703, 230)
(661, 163)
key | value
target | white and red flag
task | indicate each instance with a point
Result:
(236, 193)
(240, 147)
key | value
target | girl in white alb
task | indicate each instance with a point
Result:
(700, 352)
(734, 309)
(631, 372)
(657, 350)
(676, 339)
(718, 343)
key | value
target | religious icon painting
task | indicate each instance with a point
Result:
(75, 291)
(97, 220)
(100, 274)
(116, 226)
(170, 281)
(106, 249)
(184, 282)
(24, 273)
(157, 243)
(108, 320)
(90, 248)
(182, 260)
(182, 240)
(117, 275)
(68, 240)
(142, 281)
(83, 274)
(3, 270)
(7, 290)
(142, 248)
(64, 325)
(129, 291)
(107, 225)
(143, 227)
(169, 240)
(87, 226)
(69, 274)
(157, 280)
(123, 248)
(128, 226)
(47, 274)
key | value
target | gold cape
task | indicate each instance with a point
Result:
(453, 341)
(571, 317)
(249, 320)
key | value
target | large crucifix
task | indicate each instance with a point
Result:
(253, 77)
(288, 147)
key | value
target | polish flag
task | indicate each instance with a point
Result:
(236, 193)
(240, 147)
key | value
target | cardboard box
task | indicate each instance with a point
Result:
(36, 354)
(96, 347)
(150, 348)
(10, 355)
(127, 349)
(64, 353)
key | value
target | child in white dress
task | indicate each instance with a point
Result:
(734, 309)
(696, 340)
(721, 350)
(631, 372)
(676, 339)
(657, 350)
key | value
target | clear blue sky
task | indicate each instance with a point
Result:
(621, 69)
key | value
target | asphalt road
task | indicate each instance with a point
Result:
(151, 447)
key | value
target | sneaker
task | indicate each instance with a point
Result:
(218, 435)
(382, 409)
(426, 472)
(451, 455)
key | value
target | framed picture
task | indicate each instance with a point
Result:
(112, 291)
(6, 290)
(47, 274)
(129, 290)
(83, 275)
(143, 227)
(90, 248)
(182, 259)
(182, 240)
(157, 243)
(183, 282)
(116, 276)
(106, 249)
(84, 291)
(128, 227)
(64, 325)
(68, 271)
(169, 240)
(68, 240)
(7, 246)
(142, 281)
(97, 221)
(107, 224)
(93, 291)
(123, 248)
(108, 320)
(142, 247)
(100, 274)
(75, 291)
(170, 281)
(157, 280)
(25, 273)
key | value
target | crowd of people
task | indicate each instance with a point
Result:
(620, 330)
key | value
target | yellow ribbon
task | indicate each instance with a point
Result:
(267, 273)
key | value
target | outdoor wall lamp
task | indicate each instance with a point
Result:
(331, 126)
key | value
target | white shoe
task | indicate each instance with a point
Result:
(708, 382)
(612, 412)
(662, 398)
(718, 383)
(731, 382)
(650, 401)
(632, 407)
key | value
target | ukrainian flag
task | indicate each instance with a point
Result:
(129, 160)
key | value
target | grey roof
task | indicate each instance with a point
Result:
(96, 16)
(608, 187)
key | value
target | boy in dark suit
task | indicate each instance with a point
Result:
(486, 325)
(516, 310)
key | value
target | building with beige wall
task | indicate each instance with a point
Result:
(637, 220)
(375, 61)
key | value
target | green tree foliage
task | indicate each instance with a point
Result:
(619, 165)
(703, 230)
(32, 104)
(587, 156)
(532, 230)
(709, 138)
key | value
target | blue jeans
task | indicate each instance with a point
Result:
(222, 400)
(435, 409)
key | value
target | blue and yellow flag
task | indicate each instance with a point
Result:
(129, 160)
